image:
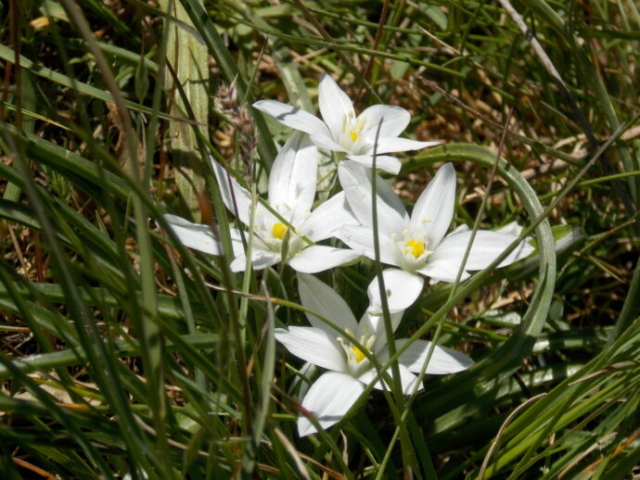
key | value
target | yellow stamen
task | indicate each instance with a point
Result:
(353, 135)
(415, 248)
(279, 230)
(358, 353)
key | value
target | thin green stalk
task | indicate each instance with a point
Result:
(87, 330)
(229, 70)
(396, 386)
(151, 353)
(631, 306)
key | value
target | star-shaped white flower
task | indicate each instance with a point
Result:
(340, 130)
(417, 243)
(292, 189)
(349, 370)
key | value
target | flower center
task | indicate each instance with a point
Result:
(352, 129)
(279, 230)
(358, 354)
(354, 353)
(277, 236)
(414, 247)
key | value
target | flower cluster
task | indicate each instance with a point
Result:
(286, 229)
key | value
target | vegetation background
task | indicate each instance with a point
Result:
(125, 356)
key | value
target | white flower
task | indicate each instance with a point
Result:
(340, 130)
(292, 188)
(335, 391)
(418, 243)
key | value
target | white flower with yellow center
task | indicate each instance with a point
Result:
(291, 235)
(418, 244)
(350, 368)
(340, 130)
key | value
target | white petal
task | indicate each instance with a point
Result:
(335, 106)
(394, 121)
(318, 258)
(324, 140)
(260, 259)
(443, 271)
(293, 177)
(313, 345)
(402, 288)
(443, 360)
(460, 229)
(397, 144)
(356, 182)
(510, 229)
(300, 384)
(360, 239)
(293, 117)
(433, 211)
(386, 163)
(487, 246)
(407, 379)
(372, 323)
(193, 235)
(322, 299)
(239, 263)
(232, 193)
(328, 218)
(329, 399)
